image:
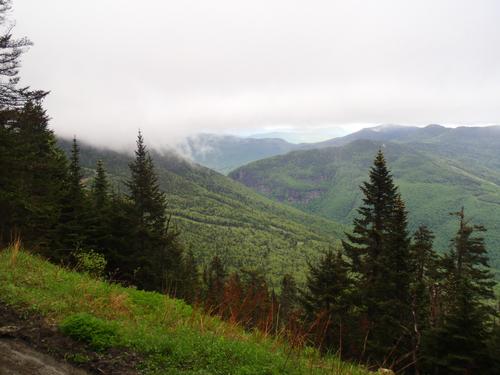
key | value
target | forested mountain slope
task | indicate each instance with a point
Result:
(218, 216)
(325, 182)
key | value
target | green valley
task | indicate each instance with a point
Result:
(326, 181)
(218, 216)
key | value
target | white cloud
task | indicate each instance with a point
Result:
(177, 68)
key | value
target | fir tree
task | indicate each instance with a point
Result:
(424, 289)
(394, 305)
(115, 242)
(189, 286)
(459, 345)
(100, 187)
(327, 301)
(30, 191)
(155, 247)
(101, 212)
(378, 250)
(288, 298)
(148, 200)
(73, 227)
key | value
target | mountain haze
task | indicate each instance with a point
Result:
(224, 153)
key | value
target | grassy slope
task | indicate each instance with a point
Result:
(217, 215)
(431, 186)
(173, 337)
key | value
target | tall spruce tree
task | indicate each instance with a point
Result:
(73, 227)
(378, 251)
(101, 212)
(31, 165)
(100, 187)
(148, 200)
(327, 301)
(288, 298)
(460, 344)
(189, 288)
(156, 251)
(425, 277)
(32, 183)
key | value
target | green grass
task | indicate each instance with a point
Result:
(173, 337)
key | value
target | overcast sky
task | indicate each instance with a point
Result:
(178, 67)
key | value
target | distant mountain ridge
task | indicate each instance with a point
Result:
(226, 153)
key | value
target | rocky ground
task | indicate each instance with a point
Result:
(29, 345)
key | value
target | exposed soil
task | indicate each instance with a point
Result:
(29, 346)
(17, 358)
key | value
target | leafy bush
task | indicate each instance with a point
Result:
(91, 262)
(98, 333)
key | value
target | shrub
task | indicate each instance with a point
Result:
(90, 262)
(98, 333)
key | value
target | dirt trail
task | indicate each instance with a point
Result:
(17, 358)
(31, 346)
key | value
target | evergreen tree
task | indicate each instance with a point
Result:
(101, 212)
(494, 340)
(155, 248)
(288, 298)
(148, 200)
(395, 297)
(327, 301)
(100, 187)
(115, 242)
(73, 228)
(32, 183)
(459, 345)
(190, 282)
(31, 165)
(378, 250)
(75, 172)
(424, 289)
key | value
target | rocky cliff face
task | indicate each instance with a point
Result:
(289, 195)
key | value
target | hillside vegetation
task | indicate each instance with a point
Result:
(218, 216)
(172, 337)
(326, 181)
